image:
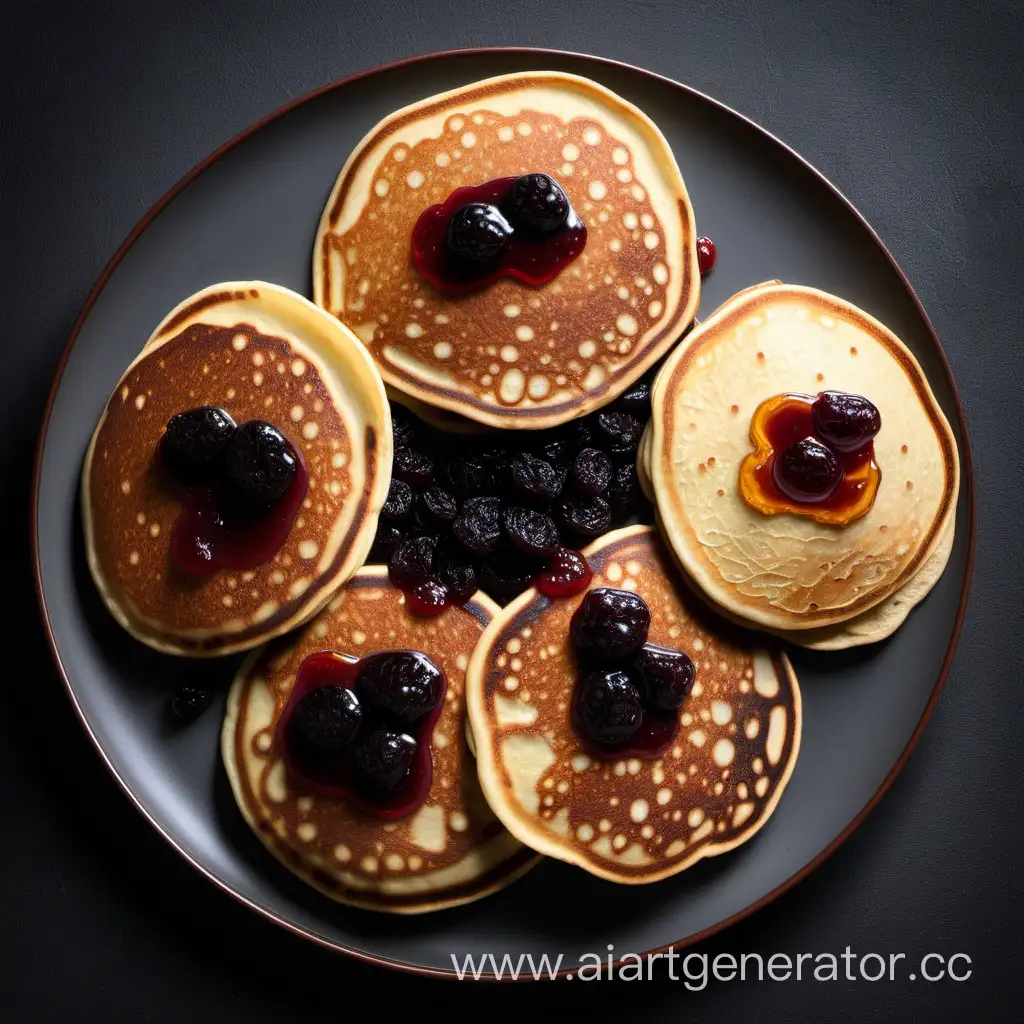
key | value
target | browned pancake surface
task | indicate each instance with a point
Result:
(133, 506)
(348, 854)
(635, 820)
(510, 347)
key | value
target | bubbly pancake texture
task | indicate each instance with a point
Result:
(632, 820)
(452, 849)
(514, 355)
(788, 572)
(260, 352)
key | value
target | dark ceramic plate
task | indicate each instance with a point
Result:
(251, 211)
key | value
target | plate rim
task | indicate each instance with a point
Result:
(967, 473)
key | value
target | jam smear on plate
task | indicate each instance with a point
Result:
(360, 730)
(522, 227)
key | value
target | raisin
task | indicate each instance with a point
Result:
(507, 574)
(414, 467)
(535, 478)
(439, 506)
(399, 502)
(478, 525)
(531, 532)
(412, 562)
(387, 539)
(592, 471)
(586, 517)
(455, 571)
(624, 491)
(402, 428)
(620, 432)
(468, 476)
(636, 399)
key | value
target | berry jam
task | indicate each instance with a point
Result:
(628, 694)
(566, 575)
(211, 533)
(780, 428)
(528, 257)
(339, 776)
(707, 254)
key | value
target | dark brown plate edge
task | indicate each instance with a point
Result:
(967, 472)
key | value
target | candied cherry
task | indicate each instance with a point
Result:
(383, 759)
(707, 254)
(405, 684)
(195, 440)
(538, 203)
(478, 233)
(607, 706)
(566, 574)
(427, 598)
(666, 676)
(807, 471)
(843, 421)
(610, 625)
(260, 464)
(325, 720)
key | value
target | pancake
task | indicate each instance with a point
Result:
(261, 352)
(631, 821)
(513, 355)
(452, 850)
(789, 572)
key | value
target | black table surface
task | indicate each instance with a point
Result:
(912, 109)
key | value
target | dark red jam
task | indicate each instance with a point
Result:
(832, 478)
(566, 575)
(371, 749)
(533, 257)
(208, 536)
(628, 694)
(707, 254)
(217, 529)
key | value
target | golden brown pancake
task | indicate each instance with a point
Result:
(789, 573)
(631, 820)
(260, 352)
(450, 851)
(513, 355)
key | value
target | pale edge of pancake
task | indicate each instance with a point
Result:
(538, 838)
(343, 364)
(502, 848)
(825, 636)
(663, 156)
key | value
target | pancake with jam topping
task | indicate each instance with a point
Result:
(832, 560)
(514, 354)
(628, 818)
(174, 570)
(451, 849)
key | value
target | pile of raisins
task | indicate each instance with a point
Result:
(489, 511)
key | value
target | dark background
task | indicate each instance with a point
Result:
(912, 109)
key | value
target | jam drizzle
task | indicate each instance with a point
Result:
(532, 260)
(781, 421)
(336, 780)
(207, 537)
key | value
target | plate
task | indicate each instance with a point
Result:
(250, 211)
